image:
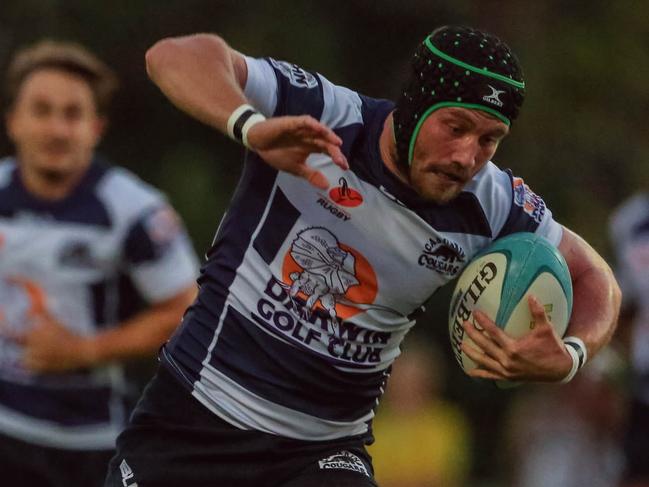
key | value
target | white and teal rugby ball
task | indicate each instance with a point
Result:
(498, 282)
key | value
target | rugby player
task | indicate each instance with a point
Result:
(81, 242)
(350, 213)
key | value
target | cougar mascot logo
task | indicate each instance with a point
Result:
(442, 256)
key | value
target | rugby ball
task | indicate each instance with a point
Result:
(498, 282)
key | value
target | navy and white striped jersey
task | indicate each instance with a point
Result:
(86, 260)
(307, 294)
(629, 232)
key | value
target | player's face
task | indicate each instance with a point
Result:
(453, 144)
(54, 124)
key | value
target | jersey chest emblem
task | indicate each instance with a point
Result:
(77, 254)
(328, 274)
(443, 256)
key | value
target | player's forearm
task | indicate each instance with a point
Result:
(596, 294)
(596, 305)
(200, 74)
(141, 335)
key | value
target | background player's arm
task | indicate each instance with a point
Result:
(204, 77)
(540, 355)
(51, 347)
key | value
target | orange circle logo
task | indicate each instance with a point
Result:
(344, 195)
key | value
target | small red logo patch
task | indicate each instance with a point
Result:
(344, 195)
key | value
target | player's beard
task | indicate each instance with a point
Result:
(59, 162)
(439, 184)
(54, 176)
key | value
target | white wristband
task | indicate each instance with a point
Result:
(242, 119)
(575, 365)
(253, 120)
(579, 354)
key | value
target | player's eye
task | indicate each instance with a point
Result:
(73, 113)
(488, 140)
(456, 129)
(40, 109)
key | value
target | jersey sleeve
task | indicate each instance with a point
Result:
(261, 86)
(279, 88)
(158, 254)
(525, 211)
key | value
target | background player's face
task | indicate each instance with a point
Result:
(452, 146)
(54, 124)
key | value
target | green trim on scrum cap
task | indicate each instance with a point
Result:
(482, 71)
(437, 106)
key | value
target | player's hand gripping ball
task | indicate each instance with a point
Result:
(498, 282)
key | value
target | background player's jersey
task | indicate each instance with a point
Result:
(307, 294)
(630, 235)
(87, 260)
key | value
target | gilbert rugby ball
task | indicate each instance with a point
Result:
(498, 282)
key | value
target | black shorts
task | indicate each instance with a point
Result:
(173, 440)
(27, 465)
(636, 444)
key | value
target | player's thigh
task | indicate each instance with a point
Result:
(331, 478)
(333, 466)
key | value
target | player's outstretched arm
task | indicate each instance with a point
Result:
(200, 74)
(541, 354)
(204, 77)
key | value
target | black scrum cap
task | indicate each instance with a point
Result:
(457, 66)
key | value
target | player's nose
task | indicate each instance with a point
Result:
(465, 152)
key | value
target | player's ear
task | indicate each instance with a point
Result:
(99, 127)
(10, 123)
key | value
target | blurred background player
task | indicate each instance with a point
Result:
(424, 440)
(629, 233)
(83, 246)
